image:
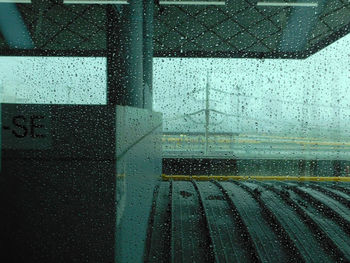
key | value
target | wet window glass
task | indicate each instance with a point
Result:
(174, 131)
(253, 108)
(53, 80)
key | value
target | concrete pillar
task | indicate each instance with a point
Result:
(130, 53)
(148, 7)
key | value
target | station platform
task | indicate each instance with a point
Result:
(249, 221)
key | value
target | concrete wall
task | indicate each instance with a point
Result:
(58, 183)
(138, 170)
(73, 177)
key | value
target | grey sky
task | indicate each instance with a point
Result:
(49, 79)
(275, 95)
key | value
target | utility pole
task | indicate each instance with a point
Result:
(238, 111)
(69, 89)
(207, 112)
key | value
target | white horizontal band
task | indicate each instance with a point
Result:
(192, 2)
(283, 4)
(117, 2)
(123, 2)
(16, 1)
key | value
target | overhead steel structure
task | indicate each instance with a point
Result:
(243, 28)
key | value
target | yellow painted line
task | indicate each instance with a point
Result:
(248, 141)
(259, 178)
(322, 143)
(278, 137)
(344, 144)
(251, 135)
(262, 140)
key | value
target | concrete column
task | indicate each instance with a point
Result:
(135, 56)
(125, 53)
(148, 12)
(130, 53)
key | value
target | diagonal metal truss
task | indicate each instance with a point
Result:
(242, 28)
(217, 31)
(238, 29)
(58, 26)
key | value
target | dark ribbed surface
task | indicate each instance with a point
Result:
(236, 221)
